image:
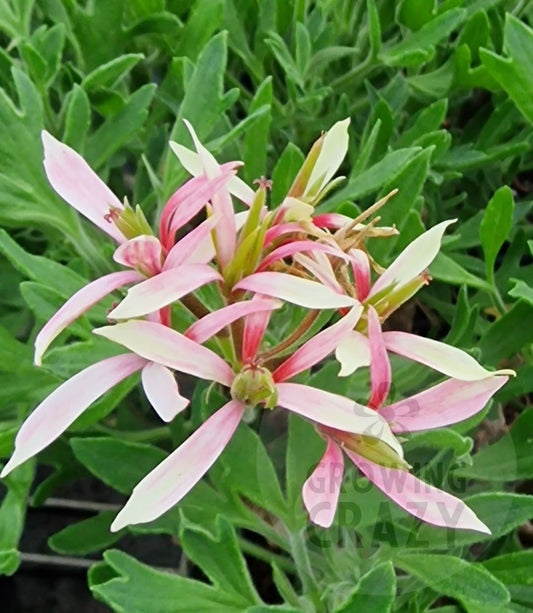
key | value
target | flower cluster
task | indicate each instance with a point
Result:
(259, 261)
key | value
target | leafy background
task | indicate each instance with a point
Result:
(440, 96)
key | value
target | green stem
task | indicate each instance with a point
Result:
(300, 556)
(138, 436)
(267, 556)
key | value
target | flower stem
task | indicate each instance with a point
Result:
(301, 560)
(306, 323)
(260, 553)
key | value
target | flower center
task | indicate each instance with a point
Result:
(254, 385)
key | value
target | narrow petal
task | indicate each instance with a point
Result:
(278, 230)
(225, 231)
(211, 324)
(255, 325)
(318, 347)
(352, 353)
(380, 370)
(192, 164)
(297, 247)
(441, 405)
(295, 290)
(186, 202)
(334, 148)
(61, 408)
(361, 272)
(190, 249)
(77, 304)
(444, 358)
(333, 221)
(162, 391)
(77, 183)
(323, 271)
(163, 289)
(177, 474)
(143, 253)
(336, 412)
(414, 259)
(165, 346)
(422, 500)
(321, 491)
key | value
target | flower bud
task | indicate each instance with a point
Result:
(254, 385)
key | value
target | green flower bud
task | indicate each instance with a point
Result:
(254, 385)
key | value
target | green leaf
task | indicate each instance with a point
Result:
(121, 464)
(121, 127)
(219, 557)
(495, 226)
(427, 120)
(510, 458)
(501, 512)
(374, 28)
(204, 19)
(415, 13)
(285, 171)
(374, 592)
(514, 570)
(38, 268)
(521, 291)
(443, 438)
(513, 73)
(371, 180)
(256, 139)
(86, 536)
(77, 119)
(507, 335)
(444, 268)
(472, 586)
(12, 515)
(110, 73)
(127, 585)
(249, 470)
(419, 47)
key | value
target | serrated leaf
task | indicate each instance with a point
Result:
(128, 585)
(219, 557)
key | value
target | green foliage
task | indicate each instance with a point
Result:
(440, 97)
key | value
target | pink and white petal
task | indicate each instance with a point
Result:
(380, 370)
(186, 202)
(191, 162)
(361, 272)
(162, 391)
(444, 358)
(211, 324)
(441, 405)
(77, 183)
(177, 474)
(165, 346)
(295, 290)
(352, 353)
(163, 289)
(324, 274)
(334, 148)
(333, 221)
(318, 347)
(65, 404)
(422, 500)
(225, 231)
(78, 304)
(255, 325)
(414, 259)
(321, 491)
(336, 412)
(190, 249)
(297, 247)
(143, 253)
(278, 230)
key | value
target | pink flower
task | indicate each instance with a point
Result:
(446, 403)
(150, 258)
(252, 385)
